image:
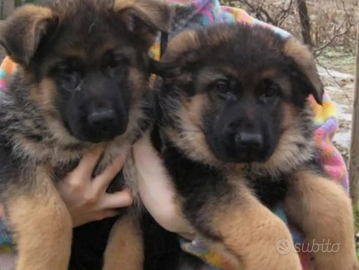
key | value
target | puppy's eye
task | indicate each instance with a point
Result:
(112, 60)
(113, 63)
(269, 89)
(68, 67)
(222, 86)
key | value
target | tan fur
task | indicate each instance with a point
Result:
(186, 41)
(192, 135)
(282, 159)
(323, 210)
(194, 107)
(244, 227)
(283, 82)
(137, 80)
(125, 248)
(35, 27)
(304, 58)
(43, 95)
(191, 109)
(149, 11)
(251, 231)
(287, 154)
(208, 75)
(49, 226)
(153, 12)
(41, 222)
(63, 138)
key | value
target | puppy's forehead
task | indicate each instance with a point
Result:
(207, 75)
(88, 34)
(236, 44)
(190, 41)
(96, 51)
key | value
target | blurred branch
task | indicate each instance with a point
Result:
(327, 70)
(258, 10)
(320, 24)
(283, 14)
(319, 50)
(348, 26)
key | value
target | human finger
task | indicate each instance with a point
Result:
(101, 182)
(117, 200)
(108, 213)
(87, 165)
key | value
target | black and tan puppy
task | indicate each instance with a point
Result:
(81, 84)
(237, 134)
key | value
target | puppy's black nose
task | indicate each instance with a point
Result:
(248, 140)
(102, 117)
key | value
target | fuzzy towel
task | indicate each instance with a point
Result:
(198, 13)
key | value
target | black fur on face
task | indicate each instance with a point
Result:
(247, 126)
(242, 87)
(94, 98)
(88, 60)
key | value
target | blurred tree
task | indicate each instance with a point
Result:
(354, 147)
(305, 21)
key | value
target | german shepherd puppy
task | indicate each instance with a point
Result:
(81, 84)
(237, 139)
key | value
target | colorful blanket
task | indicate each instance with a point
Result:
(198, 13)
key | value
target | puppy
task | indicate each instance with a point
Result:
(237, 139)
(81, 84)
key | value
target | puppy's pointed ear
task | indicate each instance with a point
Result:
(144, 18)
(305, 67)
(22, 32)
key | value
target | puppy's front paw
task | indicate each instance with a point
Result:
(290, 261)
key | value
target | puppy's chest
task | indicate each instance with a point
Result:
(197, 182)
(111, 152)
(270, 190)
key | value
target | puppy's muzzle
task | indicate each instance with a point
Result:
(101, 118)
(248, 141)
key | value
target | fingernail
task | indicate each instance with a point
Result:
(128, 194)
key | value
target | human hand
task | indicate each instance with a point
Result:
(86, 197)
(156, 189)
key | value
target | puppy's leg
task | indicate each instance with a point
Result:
(124, 250)
(251, 232)
(42, 227)
(323, 210)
